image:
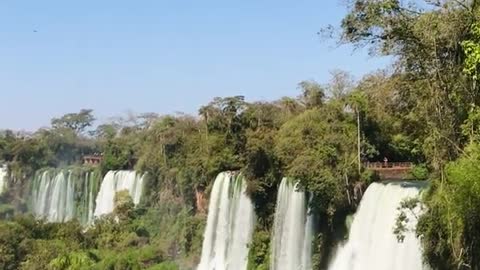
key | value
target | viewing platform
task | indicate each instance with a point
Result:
(92, 159)
(388, 171)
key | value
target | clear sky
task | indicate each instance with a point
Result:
(161, 56)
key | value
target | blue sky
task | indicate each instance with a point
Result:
(160, 56)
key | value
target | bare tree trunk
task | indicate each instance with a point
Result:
(348, 191)
(358, 143)
(207, 116)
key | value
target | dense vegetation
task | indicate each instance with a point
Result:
(183, 154)
(422, 109)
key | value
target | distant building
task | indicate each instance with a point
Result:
(94, 159)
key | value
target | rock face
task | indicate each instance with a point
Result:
(200, 201)
(358, 190)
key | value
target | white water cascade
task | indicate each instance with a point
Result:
(3, 178)
(230, 224)
(372, 244)
(53, 196)
(293, 230)
(113, 182)
(89, 191)
(60, 195)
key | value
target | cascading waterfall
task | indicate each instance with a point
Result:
(372, 244)
(230, 224)
(91, 197)
(90, 188)
(53, 196)
(3, 178)
(113, 182)
(293, 230)
(62, 195)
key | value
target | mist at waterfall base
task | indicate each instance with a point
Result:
(293, 230)
(372, 245)
(62, 195)
(230, 224)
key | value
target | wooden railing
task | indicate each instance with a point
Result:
(385, 165)
(92, 159)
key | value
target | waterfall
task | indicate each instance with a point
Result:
(372, 244)
(3, 178)
(113, 182)
(63, 195)
(230, 224)
(293, 230)
(53, 196)
(90, 186)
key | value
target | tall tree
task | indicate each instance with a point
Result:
(340, 84)
(77, 122)
(313, 94)
(426, 43)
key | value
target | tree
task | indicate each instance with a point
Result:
(436, 61)
(318, 147)
(426, 46)
(124, 206)
(341, 84)
(7, 141)
(471, 48)
(12, 235)
(313, 94)
(106, 131)
(289, 106)
(449, 226)
(77, 122)
(357, 102)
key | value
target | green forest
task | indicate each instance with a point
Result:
(424, 109)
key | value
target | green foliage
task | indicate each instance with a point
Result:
(471, 48)
(313, 94)
(317, 257)
(41, 252)
(130, 259)
(259, 253)
(368, 177)
(318, 147)
(77, 122)
(11, 236)
(431, 78)
(164, 266)
(72, 261)
(409, 208)
(6, 211)
(116, 241)
(471, 125)
(124, 206)
(118, 154)
(425, 110)
(310, 138)
(428, 100)
(7, 141)
(420, 172)
(450, 224)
